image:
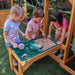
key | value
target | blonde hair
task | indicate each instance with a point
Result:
(16, 9)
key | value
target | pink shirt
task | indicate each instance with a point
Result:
(33, 28)
(58, 27)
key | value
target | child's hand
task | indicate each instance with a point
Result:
(15, 45)
(23, 35)
(44, 35)
(29, 39)
(59, 42)
(49, 36)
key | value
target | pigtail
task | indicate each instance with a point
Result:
(60, 18)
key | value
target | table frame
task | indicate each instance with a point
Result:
(22, 66)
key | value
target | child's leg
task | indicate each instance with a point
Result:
(62, 51)
(57, 35)
(14, 60)
(8, 45)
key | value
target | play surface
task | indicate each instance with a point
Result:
(45, 43)
(34, 47)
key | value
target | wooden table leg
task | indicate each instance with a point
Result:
(11, 59)
(20, 69)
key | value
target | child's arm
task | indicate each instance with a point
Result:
(9, 40)
(42, 31)
(21, 33)
(62, 36)
(50, 29)
(30, 35)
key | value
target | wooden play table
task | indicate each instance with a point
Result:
(33, 53)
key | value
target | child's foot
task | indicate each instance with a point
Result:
(60, 55)
(14, 62)
(55, 52)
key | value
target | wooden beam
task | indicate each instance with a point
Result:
(11, 3)
(67, 12)
(74, 31)
(70, 32)
(56, 58)
(63, 46)
(15, 70)
(11, 59)
(25, 8)
(45, 20)
(27, 64)
(69, 60)
(71, 1)
(18, 2)
(67, 68)
(20, 69)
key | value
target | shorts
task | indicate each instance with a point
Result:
(9, 44)
(61, 33)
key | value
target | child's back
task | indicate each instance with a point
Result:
(61, 25)
(35, 24)
(11, 27)
(32, 27)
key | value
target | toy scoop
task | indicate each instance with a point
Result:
(21, 46)
(24, 55)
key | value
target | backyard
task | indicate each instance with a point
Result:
(44, 66)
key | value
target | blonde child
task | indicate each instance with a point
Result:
(11, 28)
(61, 25)
(35, 24)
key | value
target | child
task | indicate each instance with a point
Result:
(35, 24)
(61, 25)
(11, 28)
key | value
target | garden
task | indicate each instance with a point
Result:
(45, 65)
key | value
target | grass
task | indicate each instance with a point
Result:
(44, 66)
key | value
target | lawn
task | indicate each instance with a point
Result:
(44, 66)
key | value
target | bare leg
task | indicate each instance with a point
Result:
(61, 51)
(57, 36)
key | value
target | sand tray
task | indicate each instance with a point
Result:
(46, 43)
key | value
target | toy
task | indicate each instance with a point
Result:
(21, 46)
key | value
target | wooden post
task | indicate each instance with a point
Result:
(25, 9)
(18, 2)
(11, 3)
(71, 1)
(8, 5)
(70, 31)
(74, 31)
(45, 20)
(11, 59)
(20, 69)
